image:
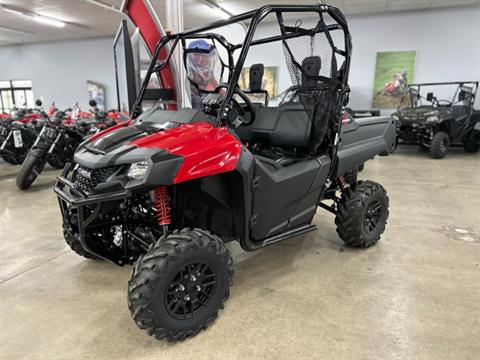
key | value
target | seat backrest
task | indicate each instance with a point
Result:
(256, 82)
(311, 68)
(256, 77)
(287, 125)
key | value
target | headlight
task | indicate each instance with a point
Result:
(138, 170)
(50, 133)
(432, 119)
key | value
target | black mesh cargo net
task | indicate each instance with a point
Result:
(311, 61)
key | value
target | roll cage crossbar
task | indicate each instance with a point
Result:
(255, 17)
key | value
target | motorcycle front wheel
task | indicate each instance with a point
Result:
(31, 168)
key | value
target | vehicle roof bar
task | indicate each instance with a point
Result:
(445, 83)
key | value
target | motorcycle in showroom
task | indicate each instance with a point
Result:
(57, 141)
(55, 144)
(18, 134)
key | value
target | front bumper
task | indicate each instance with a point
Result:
(87, 209)
(67, 192)
(415, 134)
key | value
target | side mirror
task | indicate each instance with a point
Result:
(92, 103)
(38, 102)
(430, 96)
(461, 96)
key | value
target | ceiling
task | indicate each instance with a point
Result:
(88, 20)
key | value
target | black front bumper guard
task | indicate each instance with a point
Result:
(70, 197)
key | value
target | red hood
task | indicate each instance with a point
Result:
(207, 150)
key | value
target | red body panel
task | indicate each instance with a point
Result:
(84, 114)
(52, 110)
(141, 17)
(68, 121)
(117, 116)
(207, 150)
(29, 118)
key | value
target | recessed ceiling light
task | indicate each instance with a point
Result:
(220, 11)
(49, 21)
(32, 16)
(104, 5)
(12, 11)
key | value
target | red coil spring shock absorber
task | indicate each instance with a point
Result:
(162, 204)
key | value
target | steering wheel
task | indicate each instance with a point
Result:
(245, 98)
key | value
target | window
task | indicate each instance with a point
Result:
(15, 94)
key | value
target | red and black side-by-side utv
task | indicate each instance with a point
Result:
(166, 191)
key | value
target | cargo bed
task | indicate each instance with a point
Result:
(362, 139)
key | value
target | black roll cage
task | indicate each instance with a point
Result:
(255, 17)
(460, 84)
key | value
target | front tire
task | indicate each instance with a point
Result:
(74, 243)
(31, 168)
(439, 145)
(9, 159)
(362, 214)
(56, 161)
(179, 285)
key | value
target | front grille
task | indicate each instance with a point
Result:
(87, 179)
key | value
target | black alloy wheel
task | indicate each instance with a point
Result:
(190, 290)
(372, 215)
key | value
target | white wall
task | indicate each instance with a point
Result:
(447, 44)
(59, 70)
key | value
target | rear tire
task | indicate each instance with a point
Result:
(31, 168)
(180, 284)
(471, 146)
(439, 145)
(362, 214)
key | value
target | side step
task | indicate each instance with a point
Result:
(283, 236)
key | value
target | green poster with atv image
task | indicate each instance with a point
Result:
(393, 72)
